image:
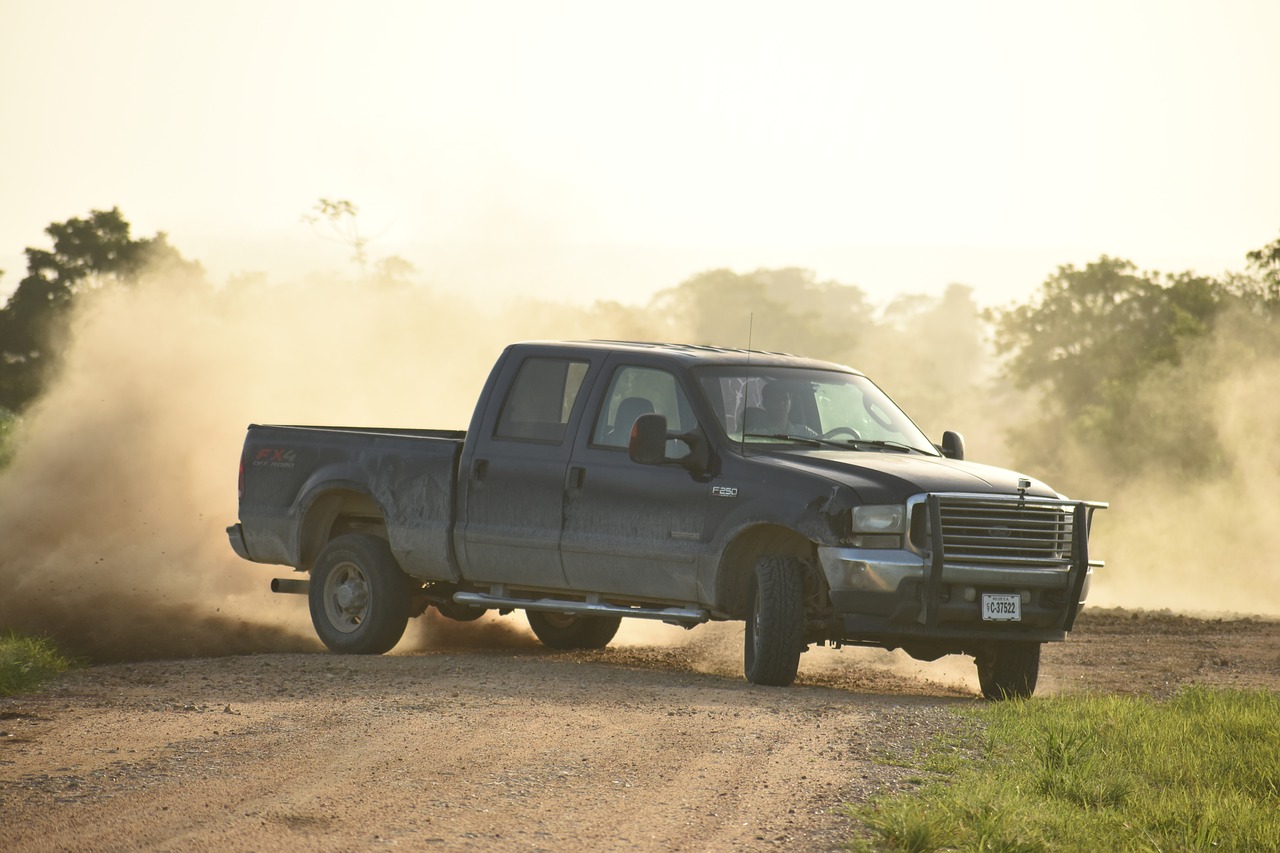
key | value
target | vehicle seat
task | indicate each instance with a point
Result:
(629, 410)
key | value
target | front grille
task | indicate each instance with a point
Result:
(1002, 531)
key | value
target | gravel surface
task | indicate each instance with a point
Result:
(488, 741)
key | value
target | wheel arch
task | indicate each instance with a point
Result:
(735, 572)
(335, 511)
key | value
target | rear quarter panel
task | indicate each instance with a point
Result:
(408, 476)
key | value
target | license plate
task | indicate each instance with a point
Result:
(1001, 607)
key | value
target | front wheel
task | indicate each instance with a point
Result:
(567, 631)
(775, 626)
(359, 597)
(1008, 670)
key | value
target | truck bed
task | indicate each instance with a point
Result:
(388, 473)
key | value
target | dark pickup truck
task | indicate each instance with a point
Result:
(678, 483)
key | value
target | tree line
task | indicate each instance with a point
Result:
(88, 253)
(1115, 361)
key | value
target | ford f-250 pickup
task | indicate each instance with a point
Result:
(601, 480)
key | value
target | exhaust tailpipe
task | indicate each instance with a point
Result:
(291, 585)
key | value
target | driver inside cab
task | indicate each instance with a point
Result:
(775, 416)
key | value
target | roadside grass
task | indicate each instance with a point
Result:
(1198, 771)
(27, 662)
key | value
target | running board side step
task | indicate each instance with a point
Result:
(671, 615)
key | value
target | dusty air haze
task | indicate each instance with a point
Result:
(588, 151)
(531, 160)
(125, 478)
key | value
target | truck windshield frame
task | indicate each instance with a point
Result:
(844, 409)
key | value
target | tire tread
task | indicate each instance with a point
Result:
(1009, 670)
(389, 611)
(779, 593)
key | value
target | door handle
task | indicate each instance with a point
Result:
(576, 477)
(479, 470)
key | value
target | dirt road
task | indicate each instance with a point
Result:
(492, 742)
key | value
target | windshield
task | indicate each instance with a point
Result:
(775, 405)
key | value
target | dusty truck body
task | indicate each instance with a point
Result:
(603, 480)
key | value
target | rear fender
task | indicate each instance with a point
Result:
(335, 510)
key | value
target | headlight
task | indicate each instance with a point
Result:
(879, 519)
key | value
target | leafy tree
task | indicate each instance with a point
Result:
(1265, 264)
(781, 310)
(1105, 346)
(927, 351)
(342, 218)
(8, 422)
(929, 354)
(88, 253)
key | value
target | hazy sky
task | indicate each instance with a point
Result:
(585, 150)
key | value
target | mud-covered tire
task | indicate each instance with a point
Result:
(1008, 670)
(359, 597)
(568, 631)
(774, 638)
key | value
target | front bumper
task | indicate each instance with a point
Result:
(882, 595)
(929, 595)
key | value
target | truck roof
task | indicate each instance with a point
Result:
(698, 354)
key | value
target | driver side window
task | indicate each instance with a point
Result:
(636, 391)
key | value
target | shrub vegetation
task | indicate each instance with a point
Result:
(27, 662)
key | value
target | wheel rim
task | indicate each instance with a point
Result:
(346, 597)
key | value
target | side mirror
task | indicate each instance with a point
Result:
(651, 444)
(648, 445)
(952, 445)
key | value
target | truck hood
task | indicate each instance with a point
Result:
(891, 477)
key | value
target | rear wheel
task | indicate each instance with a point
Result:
(568, 631)
(775, 626)
(1008, 670)
(359, 597)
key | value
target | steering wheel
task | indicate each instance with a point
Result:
(842, 430)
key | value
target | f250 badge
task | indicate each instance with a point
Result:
(275, 457)
(724, 492)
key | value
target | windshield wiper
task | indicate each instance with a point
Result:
(843, 444)
(813, 440)
(884, 444)
(803, 439)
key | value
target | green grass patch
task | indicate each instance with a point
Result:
(27, 662)
(1198, 771)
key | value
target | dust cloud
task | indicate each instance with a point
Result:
(716, 649)
(115, 505)
(491, 631)
(1203, 545)
(1179, 535)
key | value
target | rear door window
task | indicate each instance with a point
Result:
(540, 400)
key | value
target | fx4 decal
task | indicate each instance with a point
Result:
(275, 457)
